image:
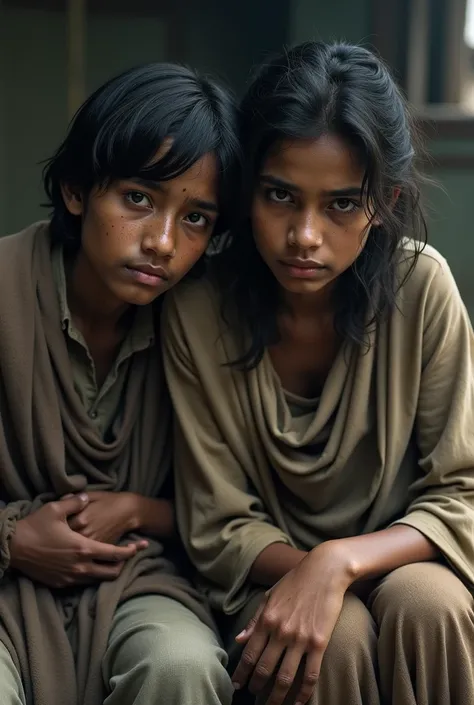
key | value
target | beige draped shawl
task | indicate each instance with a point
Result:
(391, 440)
(50, 447)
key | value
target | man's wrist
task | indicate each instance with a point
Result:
(154, 517)
(15, 545)
(137, 512)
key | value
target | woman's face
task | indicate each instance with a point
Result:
(308, 215)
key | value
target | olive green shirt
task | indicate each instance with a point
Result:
(105, 404)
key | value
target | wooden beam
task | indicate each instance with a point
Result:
(151, 8)
(76, 54)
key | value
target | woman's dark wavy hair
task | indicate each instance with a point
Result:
(309, 91)
(121, 126)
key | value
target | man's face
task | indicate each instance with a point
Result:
(139, 238)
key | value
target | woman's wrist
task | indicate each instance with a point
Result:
(341, 558)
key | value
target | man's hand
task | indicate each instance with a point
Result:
(111, 515)
(107, 517)
(47, 550)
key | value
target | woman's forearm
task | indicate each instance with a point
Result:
(368, 556)
(274, 562)
(374, 555)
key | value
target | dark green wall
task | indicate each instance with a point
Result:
(226, 38)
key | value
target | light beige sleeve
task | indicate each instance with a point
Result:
(223, 523)
(443, 508)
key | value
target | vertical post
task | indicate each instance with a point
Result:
(76, 21)
(455, 52)
(418, 52)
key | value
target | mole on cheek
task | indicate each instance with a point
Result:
(184, 190)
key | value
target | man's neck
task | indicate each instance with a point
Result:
(89, 300)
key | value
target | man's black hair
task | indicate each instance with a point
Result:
(118, 131)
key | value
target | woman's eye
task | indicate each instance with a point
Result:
(197, 219)
(279, 195)
(344, 205)
(138, 198)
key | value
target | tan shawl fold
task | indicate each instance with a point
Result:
(49, 447)
(392, 438)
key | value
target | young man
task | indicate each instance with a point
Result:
(92, 609)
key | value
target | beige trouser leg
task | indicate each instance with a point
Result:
(11, 688)
(414, 647)
(348, 673)
(160, 653)
(425, 618)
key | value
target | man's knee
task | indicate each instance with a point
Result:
(177, 652)
(165, 645)
(11, 687)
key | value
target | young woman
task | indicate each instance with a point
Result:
(92, 607)
(323, 384)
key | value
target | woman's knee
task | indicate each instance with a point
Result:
(421, 595)
(354, 631)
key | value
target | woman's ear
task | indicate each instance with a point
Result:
(72, 199)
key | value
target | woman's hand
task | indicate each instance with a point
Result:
(295, 621)
(108, 517)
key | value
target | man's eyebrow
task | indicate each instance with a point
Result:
(204, 205)
(158, 186)
(146, 183)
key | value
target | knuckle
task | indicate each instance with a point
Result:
(270, 620)
(79, 569)
(317, 642)
(285, 632)
(283, 681)
(54, 507)
(249, 658)
(82, 551)
(310, 680)
(262, 671)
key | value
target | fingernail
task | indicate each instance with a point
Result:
(243, 633)
(83, 497)
(236, 686)
(68, 496)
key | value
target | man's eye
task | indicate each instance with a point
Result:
(197, 219)
(137, 198)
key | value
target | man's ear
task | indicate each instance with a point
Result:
(73, 199)
(395, 194)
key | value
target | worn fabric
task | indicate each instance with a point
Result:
(11, 686)
(411, 644)
(49, 447)
(390, 440)
(161, 652)
(104, 404)
(158, 652)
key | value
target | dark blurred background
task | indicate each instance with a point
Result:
(55, 52)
